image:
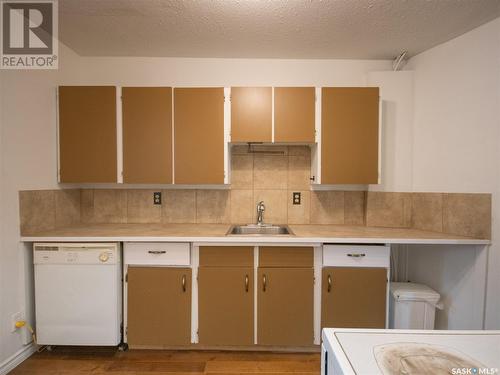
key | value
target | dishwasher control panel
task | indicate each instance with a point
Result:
(70, 254)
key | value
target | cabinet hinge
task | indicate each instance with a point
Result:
(126, 277)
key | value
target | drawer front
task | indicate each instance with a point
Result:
(226, 256)
(157, 253)
(356, 256)
(286, 256)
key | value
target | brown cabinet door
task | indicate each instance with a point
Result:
(147, 135)
(87, 134)
(158, 306)
(251, 114)
(349, 135)
(285, 306)
(353, 297)
(199, 135)
(294, 113)
(226, 305)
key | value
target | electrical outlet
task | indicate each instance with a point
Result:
(16, 317)
(296, 198)
(157, 197)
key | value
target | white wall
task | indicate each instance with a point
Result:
(28, 133)
(456, 132)
(396, 91)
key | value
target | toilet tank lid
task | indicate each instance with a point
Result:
(414, 292)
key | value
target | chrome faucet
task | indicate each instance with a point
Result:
(260, 213)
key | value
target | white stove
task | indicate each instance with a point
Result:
(387, 352)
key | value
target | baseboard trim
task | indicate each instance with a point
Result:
(239, 348)
(17, 358)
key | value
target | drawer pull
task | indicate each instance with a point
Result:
(184, 283)
(356, 255)
(246, 283)
(329, 283)
(264, 283)
(157, 251)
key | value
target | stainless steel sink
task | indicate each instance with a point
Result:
(259, 230)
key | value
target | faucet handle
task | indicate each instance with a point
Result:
(261, 206)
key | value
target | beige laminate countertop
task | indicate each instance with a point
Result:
(217, 233)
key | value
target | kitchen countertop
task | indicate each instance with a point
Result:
(217, 233)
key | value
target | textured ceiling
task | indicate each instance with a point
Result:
(356, 29)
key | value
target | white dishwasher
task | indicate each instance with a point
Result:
(78, 293)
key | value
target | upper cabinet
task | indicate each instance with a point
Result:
(349, 135)
(199, 135)
(251, 114)
(147, 135)
(294, 114)
(160, 135)
(87, 134)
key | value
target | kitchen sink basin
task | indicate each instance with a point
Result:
(259, 230)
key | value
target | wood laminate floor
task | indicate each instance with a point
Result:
(65, 361)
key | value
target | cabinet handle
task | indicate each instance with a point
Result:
(246, 283)
(184, 283)
(264, 283)
(356, 255)
(157, 251)
(329, 283)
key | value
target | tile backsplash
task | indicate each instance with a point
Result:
(272, 177)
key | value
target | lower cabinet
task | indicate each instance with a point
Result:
(158, 306)
(226, 305)
(353, 297)
(226, 295)
(285, 296)
(285, 306)
(239, 305)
